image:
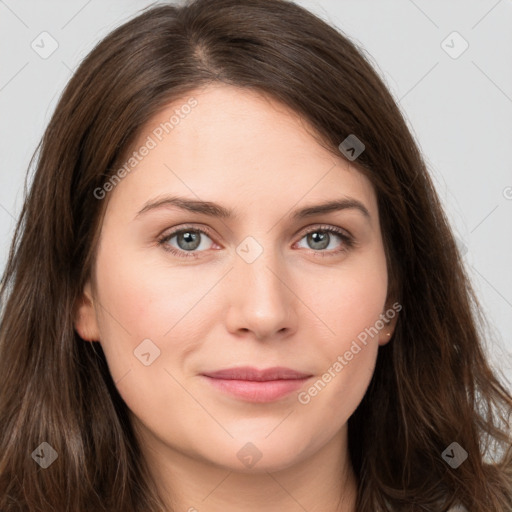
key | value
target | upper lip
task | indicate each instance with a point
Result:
(253, 374)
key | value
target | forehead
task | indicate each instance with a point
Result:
(236, 145)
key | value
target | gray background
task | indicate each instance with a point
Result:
(458, 105)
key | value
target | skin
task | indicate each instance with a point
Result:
(290, 307)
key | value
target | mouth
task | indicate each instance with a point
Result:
(259, 386)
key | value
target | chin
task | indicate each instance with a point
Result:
(260, 455)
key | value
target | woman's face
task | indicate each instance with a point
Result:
(249, 289)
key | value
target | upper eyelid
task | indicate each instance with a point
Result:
(191, 227)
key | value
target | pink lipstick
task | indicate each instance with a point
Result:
(260, 386)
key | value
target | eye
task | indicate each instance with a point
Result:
(320, 238)
(187, 239)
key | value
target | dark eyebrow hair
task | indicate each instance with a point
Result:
(331, 206)
(216, 210)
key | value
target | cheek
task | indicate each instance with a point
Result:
(144, 300)
(351, 311)
(139, 317)
(348, 299)
(333, 397)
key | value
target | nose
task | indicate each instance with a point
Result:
(261, 299)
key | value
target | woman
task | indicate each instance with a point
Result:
(232, 287)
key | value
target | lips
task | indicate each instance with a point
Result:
(253, 374)
(253, 385)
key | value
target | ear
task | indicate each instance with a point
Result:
(85, 321)
(389, 317)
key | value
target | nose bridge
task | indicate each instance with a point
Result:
(260, 299)
(257, 265)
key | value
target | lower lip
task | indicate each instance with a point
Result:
(256, 391)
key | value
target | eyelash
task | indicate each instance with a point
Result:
(347, 240)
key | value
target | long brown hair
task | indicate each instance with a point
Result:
(432, 384)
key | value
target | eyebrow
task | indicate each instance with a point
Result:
(216, 210)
